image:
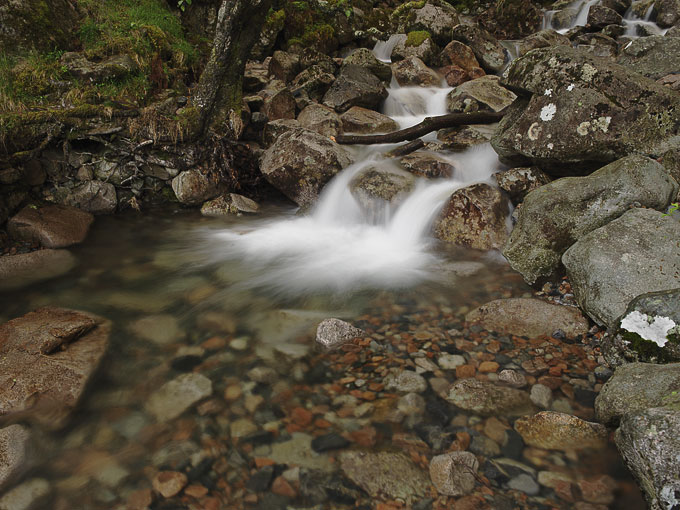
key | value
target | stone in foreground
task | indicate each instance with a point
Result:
(230, 204)
(178, 395)
(487, 399)
(453, 474)
(332, 333)
(26, 268)
(30, 495)
(53, 226)
(551, 430)
(16, 456)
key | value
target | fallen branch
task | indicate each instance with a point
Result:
(426, 126)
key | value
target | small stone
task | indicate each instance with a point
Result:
(557, 431)
(140, 499)
(541, 396)
(169, 483)
(196, 491)
(487, 367)
(495, 429)
(524, 483)
(329, 442)
(453, 474)
(406, 381)
(178, 395)
(465, 371)
(512, 378)
(411, 404)
(264, 375)
(30, 495)
(488, 399)
(282, 487)
(332, 333)
(161, 329)
(242, 428)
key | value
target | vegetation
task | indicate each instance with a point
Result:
(417, 37)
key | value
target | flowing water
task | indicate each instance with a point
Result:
(224, 296)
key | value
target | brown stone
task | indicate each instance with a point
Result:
(169, 483)
(458, 54)
(53, 226)
(281, 487)
(558, 431)
(140, 499)
(487, 367)
(464, 371)
(26, 268)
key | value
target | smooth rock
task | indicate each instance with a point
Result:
(355, 86)
(453, 474)
(364, 121)
(178, 395)
(405, 381)
(412, 72)
(161, 329)
(482, 94)
(53, 226)
(26, 268)
(30, 495)
(450, 361)
(524, 483)
(529, 317)
(231, 203)
(551, 430)
(332, 333)
(458, 54)
(487, 399)
(298, 451)
(513, 378)
(16, 453)
(541, 396)
(193, 187)
(93, 196)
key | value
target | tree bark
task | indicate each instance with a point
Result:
(218, 95)
(426, 126)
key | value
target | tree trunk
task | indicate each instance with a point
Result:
(218, 96)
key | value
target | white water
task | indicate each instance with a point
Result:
(340, 246)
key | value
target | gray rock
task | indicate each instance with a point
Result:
(600, 16)
(667, 12)
(542, 39)
(355, 86)
(425, 51)
(298, 451)
(474, 217)
(231, 203)
(321, 119)
(450, 361)
(541, 396)
(313, 82)
(273, 130)
(654, 56)
(21, 270)
(16, 454)
(635, 387)
(551, 430)
(427, 164)
(193, 187)
(413, 72)
(115, 67)
(462, 138)
(365, 121)
(482, 445)
(178, 395)
(301, 162)
(436, 18)
(279, 103)
(405, 381)
(53, 226)
(487, 399)
(512, 378)
(284, 66)
(385, 475)
(630, 256)
(363, 57)
(583, 111)
(529, 317)
(555, 216)
(453, 474)
(650, 446)
(524, 483)
(30, 495)
(94, 196)
(332, 333)
(482, 94)
(376, 187)
(517, 182)
(487, 50)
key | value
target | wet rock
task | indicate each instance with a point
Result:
(654, 56)
(53, 226)
(94, 196)
(649, 444)
(332, 333)
(627, 257)
(453, 474)
(529, 317)
(230, 204)
(26, 268)
(551, 430)
(30, 495)
(474, 217)
(458, 54)
(301, 162)
(313, 82)
(425, 50)
(115, 67)
(320, 119)
(560, 213)
(329, 442)
(411, 404)
(667, 13)
(377, 187)
(542, 39)
(298, 452)
(47, 357)
(161, 329)
(427, 164)
(450, 361)
(512, 378)
(635, 387)
(524, 483)
(363, 57)
(413, 72)
(284, 66)
(481, 94)
(600, 16)
(169, 483)
(647, 331)
(541, 396)
(488, 51)
(355, 86)
(193, 187)
(488, 399)
(279, 103)
(517, 182)
(364, 121)
(405, 381)
(583, 111)
(465, 137)
(598, 45)
(434, 18)
(485, 447)
(273, 130)
(178, 395)
(16, 455)
(385, 475)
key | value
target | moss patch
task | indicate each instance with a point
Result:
(647, 350)
(417, 37)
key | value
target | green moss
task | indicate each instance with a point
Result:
(648, 350)
(417, 37)
(404, 9)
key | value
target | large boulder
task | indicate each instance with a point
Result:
(655, 56)
(355, 86)
(558, 214)
(428, 164)
(458, 54)
(667, 12)
(413, 72)
(437, 18)
(632, 255)
(193, 187)
(365, 121)
(583, 111)
(53, 226)
(97, 197)
(518, 182)
(482, 94)
(542, 39)
(47, 358)
(416, 44)
(650, 446)
(635, 387)
(363, 57)
(313, 82)
(488, 51)
(377, 187)
(301, 162)
(648, 331)
(474, 217)
(26, 268)
(321, 119)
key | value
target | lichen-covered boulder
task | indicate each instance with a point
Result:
(321, 119)
(428, 164)
(648, 331)
(355, 86)
(655, 56)
(482, 94)
(363, 57)
(519, 181)
(600, 16)
(583, 111)
(474, 217)
(413, 72)
(634, 254)
(667, 12)
(415, 45)
(378, 187)
(365, 121)
(542, 39)
(313, 82)
(558, 214)
(437, 18)
(301, 162)
(194, 187)
(488, 51)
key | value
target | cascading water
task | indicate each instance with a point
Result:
(340, 246)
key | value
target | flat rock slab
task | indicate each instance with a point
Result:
(529, 317)
(635, 387)
(53, 226)
(178, 395)
(26, 268)
(30, 495)
(15, 453)
(385, 475)
(558, 431)
(47, 357)
(488, 399)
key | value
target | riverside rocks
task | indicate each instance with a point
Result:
(558, 431)
(481, 94)
(363, 57)
(364, 121)
(332, 333)
(517, 182)
(231, 203)
(53, 226)
(583, 111)
(95, 196)
(321, 119)
(178, 395)
(556, 215)
(488, 399)
(487, 50)
(301, 162)
(355, 86)
(654, 57)
(48, 357)
(529, 317)
(453, 473)
(412, 71)
(425, 51)
(194, 187)
(16, 455)
(630, 256)
(26, 268)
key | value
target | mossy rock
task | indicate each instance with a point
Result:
(417, 37)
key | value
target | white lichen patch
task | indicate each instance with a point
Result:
(550, 146)
(602, 123)
(534, 131)
(548, 92)
(654, 329)
(588, 72)
(583, 128)
(570, 87)
(548, 112)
